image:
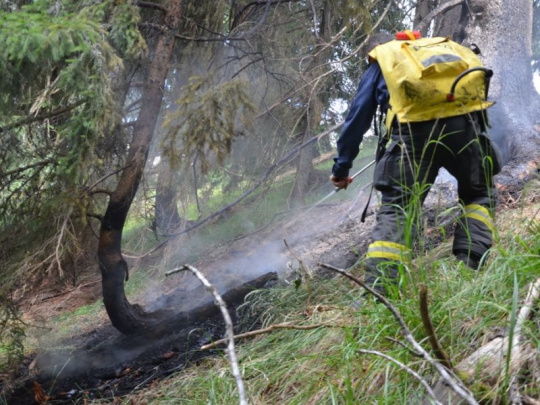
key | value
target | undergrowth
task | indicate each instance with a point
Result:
(323, 364)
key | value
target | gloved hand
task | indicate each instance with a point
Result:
(341, 182)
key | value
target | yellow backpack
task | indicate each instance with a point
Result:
(431, 78)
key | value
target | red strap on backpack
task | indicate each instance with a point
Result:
(408, 35)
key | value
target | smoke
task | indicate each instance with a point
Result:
(500, 131)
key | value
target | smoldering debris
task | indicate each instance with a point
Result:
(110, 364)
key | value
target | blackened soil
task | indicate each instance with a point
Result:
(108, 365)
(104, 364)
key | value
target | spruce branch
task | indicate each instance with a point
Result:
(41, 117)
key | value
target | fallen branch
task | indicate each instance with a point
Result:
(305, 269)
(430, 331)
(491, 356)
(407, 369)
(516, 350)
(434, 13)
(271, 328)
(404, 345)
(228, 324)
(449, 378)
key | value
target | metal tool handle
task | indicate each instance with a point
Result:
(358, 173)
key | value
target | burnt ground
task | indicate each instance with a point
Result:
(104, 364)
(101, 363)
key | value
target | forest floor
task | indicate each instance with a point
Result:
(96, 361)
(92, 360)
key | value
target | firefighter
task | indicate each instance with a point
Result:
(433, 120)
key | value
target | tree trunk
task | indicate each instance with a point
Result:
(125, 317)
(423, 7)
(503, 32)
(304, 166)
(166, 211)
(313, 112)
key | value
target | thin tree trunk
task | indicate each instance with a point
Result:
(125, 317)
(304, 167)
(166, 211)
(423, 7)
(314, 109)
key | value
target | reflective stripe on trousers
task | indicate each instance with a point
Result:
(388, 250)
(480, 213)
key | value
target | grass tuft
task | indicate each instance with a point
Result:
(324, 365)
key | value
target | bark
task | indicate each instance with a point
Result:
(166, 211)
(503, 31)
(423, 7)
(314, 109)
(125, 317)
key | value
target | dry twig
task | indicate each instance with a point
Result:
(404, 345)
(288, 325)
(407, 369)
(532, 296)
(449, 378)
(228, 324)
(304, 268)
(430, 331)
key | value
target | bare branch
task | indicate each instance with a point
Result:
(450, 378)
(40, 117)
(228, 324)
(271, 328)
(136, 103)
(89, 188)
(434, 13)
(25, 168)
(407, 369)
(430, 331)
(152, 6)
(96, 216)
(100, 191)
(248, 7)
(532, 296)
(402, 344)
(298, 89)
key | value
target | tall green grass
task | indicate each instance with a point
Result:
(323, 365)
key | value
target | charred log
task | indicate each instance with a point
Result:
(113, 365)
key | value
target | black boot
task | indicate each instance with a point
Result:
(470, 260)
